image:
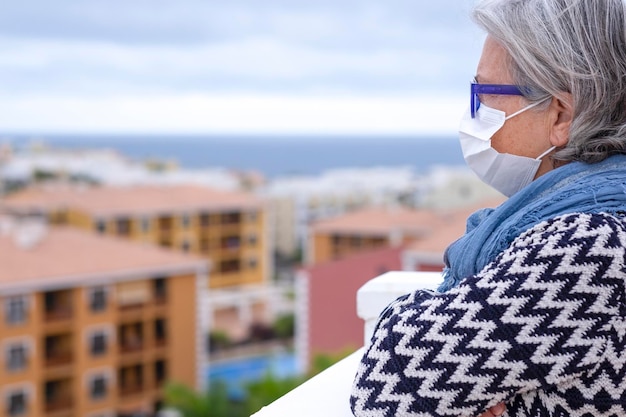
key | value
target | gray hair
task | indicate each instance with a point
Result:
(568, 46)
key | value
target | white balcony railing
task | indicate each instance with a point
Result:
(328, 393)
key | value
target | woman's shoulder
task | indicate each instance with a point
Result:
(576, 227)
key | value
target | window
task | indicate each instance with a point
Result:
(185, 221)
(252, 217)
(123, 226)
(252, 240)
(185, 246)
(145, 224)
(356, 241)
(16, 357)
(98, 343)
(229, 266)
(230, 242)
(16, 403)
(98, 299)
(165, 223)
(160, 288)
(205, 219)
(252, 263)
(101, 226)
(160, 331)
(98, 387)
(231, 218)
(160, 372)
(58, 304)
(50, 301)
(15, 309)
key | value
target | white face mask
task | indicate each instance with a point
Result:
(505, 172)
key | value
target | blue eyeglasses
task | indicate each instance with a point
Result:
(500, 89)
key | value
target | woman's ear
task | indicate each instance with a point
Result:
(562, 111)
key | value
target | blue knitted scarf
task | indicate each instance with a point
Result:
(573, 188)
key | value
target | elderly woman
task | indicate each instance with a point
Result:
(532, 311)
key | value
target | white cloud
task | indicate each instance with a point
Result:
(167, 67)
(193, 65)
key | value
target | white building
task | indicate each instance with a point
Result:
(447, 187)
(297, 201)
(107, 167)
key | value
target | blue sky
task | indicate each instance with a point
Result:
(240, 66)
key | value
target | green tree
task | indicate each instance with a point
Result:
(211, 403)
(321, 361)
(267, 390)
(216, 403)
(284, 326)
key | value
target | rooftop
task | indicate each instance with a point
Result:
(451, 229)
(381, 221)
(61, 256)
(132, 200)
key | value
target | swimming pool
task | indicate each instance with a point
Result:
(236, 373)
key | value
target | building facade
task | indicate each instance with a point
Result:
(365, 230)
(95, 326)
(227, 228)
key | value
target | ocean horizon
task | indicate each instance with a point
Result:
(271, 155)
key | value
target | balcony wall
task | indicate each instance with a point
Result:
(328, 393)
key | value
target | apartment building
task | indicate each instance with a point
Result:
(369, 229)
(94, 326)
(326, 302)
(297, 201)
(326, 292)
(427, 254)
(228, 228)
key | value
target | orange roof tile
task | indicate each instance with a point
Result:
(138, 200)
(66, 255)
(452, 228)
(379, 221)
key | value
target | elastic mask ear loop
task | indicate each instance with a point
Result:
(540, 157)
(530, 106)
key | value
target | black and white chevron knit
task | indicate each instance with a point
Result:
(542, 327)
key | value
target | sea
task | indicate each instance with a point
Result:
(273, 156)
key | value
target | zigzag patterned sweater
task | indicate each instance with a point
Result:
(542, 328)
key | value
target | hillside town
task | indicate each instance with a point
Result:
(120, 276)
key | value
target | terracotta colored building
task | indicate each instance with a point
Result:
(327, 290)
(228, 228)
(327, 320)
(94, 326)
(427, 254)
(368, 229)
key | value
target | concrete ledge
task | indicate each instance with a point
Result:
(326, 394)
(376, 294)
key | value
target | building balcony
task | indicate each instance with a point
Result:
(58, 315)
(137, 306)
(131, 347)
(131, 337)
(129, 390)
(58, 405)
(328, 393)
(58, 350)
(57, 396)
(60, 359)
(131, 380)
(57, 305)
(230, 219)
(159, 290)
